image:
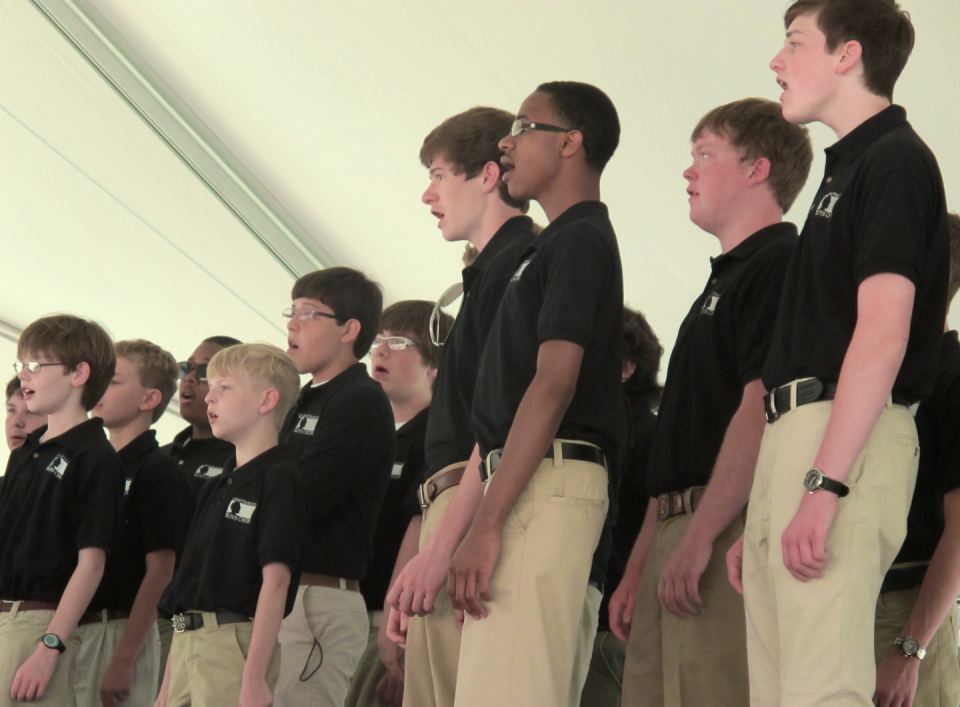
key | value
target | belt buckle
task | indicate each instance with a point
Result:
(663, 510)
(770, 407)
(491, 463)
(179, 622)
(422, 497)
(676, 504)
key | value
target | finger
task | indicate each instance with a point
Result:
(406, 597)
(453, 587)
(668, 600)
(628, 610)
(393, 596)
(404, 625)
(428, 602)
(416, 605)
(458, 619)
(484, 586)
(811, 564)
(473, 601)
(688, 598)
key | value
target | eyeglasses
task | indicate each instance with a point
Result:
(448, 297)
(32, 366)
(305, 313)
(186, 367)
(394, 343)
(520, 127)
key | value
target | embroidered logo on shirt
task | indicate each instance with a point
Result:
(126, 486)
(397, 471)
(306, 424)
(710, 306)
(519, 272)
(205, 471)
(58, 466)
(825, 207)
(240, 510)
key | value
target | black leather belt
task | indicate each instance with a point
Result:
(575, 451)
(192, 621)
(903, 578)
(811, 390)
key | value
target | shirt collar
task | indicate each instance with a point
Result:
(501, 239)
(256, 465)
(755, 242)
(577, 211)
(142, 444)
(414, 424)
(347, 376)
(868, 132)
(183, 438)
(73, 439)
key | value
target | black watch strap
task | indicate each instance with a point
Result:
(816, 480)
(53, 642)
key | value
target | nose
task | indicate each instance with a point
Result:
(209, 398)
(776, 64)
(430, 194)
(382, 350)
(506, 143)
(292, 323)
(689, 174)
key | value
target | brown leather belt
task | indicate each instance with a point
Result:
(438, 483)
(670, 505)
(7, 606)
(96, 617)
(310, 579)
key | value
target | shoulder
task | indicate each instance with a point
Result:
(362, 393)
(899, 150)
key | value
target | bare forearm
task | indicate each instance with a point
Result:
(79, 591)
(462, 508)
(143, 615)
(732, 477)
(641, 548)
(408, 550)
(266, 622)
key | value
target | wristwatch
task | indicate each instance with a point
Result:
(910, 647)
(52, 641)
(816, 480)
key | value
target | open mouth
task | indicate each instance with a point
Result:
(508, 166)
(291, 346)
(380, 371)
(27, 392)
(187, 396)
(211, 417)
(782, 84)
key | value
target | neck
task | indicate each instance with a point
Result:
(496, 214)
(120, 437)
(564, 193)
(201, 432)
(63, 420)
(746, 222)
(256, 440)
(333, 369)
(852, 113)
(406, 409)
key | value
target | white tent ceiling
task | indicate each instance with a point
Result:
(326, 103)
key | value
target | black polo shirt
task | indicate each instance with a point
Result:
(248, 517)
(568, 285)
(879, 209)
(343, 438)
(153, 517)
(938, 430)
(450, 436)
(198, 460)
(394, 516)
(721, 346)
(57, 498)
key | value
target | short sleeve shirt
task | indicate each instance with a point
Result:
(58, 497)
(249, 517)
(879, 209)
(198, 460)
(938, 431)
(153, 517)
(721, 346)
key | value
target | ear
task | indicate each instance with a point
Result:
(151, 400)
(490, 177)
(848, 56)
(351, 330)
(572, 142)
(432, 373)
(81, 375)
(269, 401)
(759, 171)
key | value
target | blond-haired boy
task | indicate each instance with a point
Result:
(241, 566)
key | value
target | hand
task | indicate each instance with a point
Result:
(896, 680)
(390, 690)
(419, 582)
(622, 602)
(34, 675)
(255, 693)
(389, 650)
(735, 565)
(804, 542)
(471, 569)
(458, 619)
(396, 628)
(680, 578)
(117, 682)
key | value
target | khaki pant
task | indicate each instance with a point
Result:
(98, 642)
(433, 641)
(812, 643)
(605, 678)
(939, 683)
(523, 653)
(165, 631)
(589, 617)
(20, 633)
(322, 640)
(695, 662)
(370, 671)
(207, 664)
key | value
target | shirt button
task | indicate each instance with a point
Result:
(829, 179)
(180, 462)
(713, 281)
(229, 481)
(35, 455)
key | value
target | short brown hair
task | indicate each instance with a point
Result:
(351, 295)
(642, 347)
(470, 140)
(757, 128)
(266, 364)
(71, 341)
(156, 369)
(883, 30)
(13, 387)
(412, 317)
(953, 221)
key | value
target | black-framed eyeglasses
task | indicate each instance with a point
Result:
(305, 313)
(448, 297)
(519, 127)
(185, 367)
(32, 366)
(394, 343)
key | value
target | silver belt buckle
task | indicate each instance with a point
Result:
(422, 497)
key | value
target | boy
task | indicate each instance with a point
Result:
(238, 576)
(119, 657)
(545, 414)
(918, 595)
(19, 421)
(467, 194)
(59, 508)
(749, 164)
(855, 344)
(342, 436)
(405, 363)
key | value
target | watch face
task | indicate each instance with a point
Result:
(51, 641)
(812, 481)
(911, 646)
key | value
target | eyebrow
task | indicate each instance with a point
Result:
(793, 32)
(522, 115)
